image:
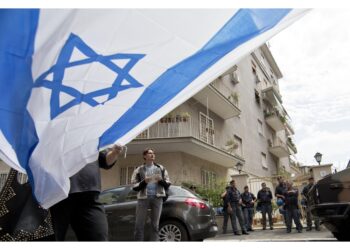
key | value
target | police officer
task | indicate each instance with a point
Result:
(305, 192)
(227, 214)
(265, 197)
(248, 200)
(234, 205)
(291, 206)
(279, 191)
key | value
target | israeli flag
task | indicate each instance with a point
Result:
(75, 81)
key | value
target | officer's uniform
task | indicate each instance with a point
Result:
(281, 189)
(291, 206)
(81, 208)
(248, 209)
(234, 196)
(227, 215)
(309, 216)
(265, 197)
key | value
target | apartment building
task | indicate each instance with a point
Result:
(237, 118)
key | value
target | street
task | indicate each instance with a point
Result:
(277, 235)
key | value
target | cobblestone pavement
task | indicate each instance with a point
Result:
(277, 235)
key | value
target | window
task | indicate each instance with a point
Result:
(206, 129)
(125, 175)
(257, 96)
(263, 160)
(239, 142)
(132, 196)
(208, 178)
(260, 128)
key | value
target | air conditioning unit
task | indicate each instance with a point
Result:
(234, 77)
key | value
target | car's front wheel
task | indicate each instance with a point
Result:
(342, 236)
(172, 231)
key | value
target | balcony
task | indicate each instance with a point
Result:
(272, 95)
(215, 93)
(275, 120)
(291, 146)
(278, 148)
(183, 136)
(289, 127)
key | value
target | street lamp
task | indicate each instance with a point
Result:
(318, 157)
(239, 167)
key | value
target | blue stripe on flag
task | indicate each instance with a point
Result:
(17, 33)
(243, 26)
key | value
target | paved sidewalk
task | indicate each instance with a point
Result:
(278, 235)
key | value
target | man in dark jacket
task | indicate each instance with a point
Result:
(291, 206)
(227, 214)
(81, 208)
(305, 192)
(265, 197)
(279, 194)
(248, 200)
(234, 205)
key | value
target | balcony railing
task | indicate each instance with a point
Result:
(291, 145)
(169, 128)
(275, 120)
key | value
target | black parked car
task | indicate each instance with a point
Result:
(331, 203)
(185, 216)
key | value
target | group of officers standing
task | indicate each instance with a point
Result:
(241, 206)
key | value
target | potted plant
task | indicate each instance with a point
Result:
(231, 145)
(185, 116)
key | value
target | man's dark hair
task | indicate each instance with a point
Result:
(245, 187)
(232, 181)
(146, 152)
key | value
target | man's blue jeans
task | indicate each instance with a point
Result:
(248, 217)
(155, 204)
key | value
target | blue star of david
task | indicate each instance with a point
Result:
(63, 62)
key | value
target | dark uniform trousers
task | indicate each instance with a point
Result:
(266, 208)
(237, 213)
(293, 214)
(85, 215)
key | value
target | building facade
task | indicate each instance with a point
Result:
(239, 117)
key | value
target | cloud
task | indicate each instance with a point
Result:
(313, 55)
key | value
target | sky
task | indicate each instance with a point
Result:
(314, 57)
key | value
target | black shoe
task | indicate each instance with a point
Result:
(245, 232)
(236, 233)
(271, 228)
(288, 231)
(318, 229)
(308, 229)
(251, 230)
(300, 231)
(264, 228)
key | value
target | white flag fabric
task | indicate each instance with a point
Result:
(75, 81)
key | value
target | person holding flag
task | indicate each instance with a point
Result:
(81, 209)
